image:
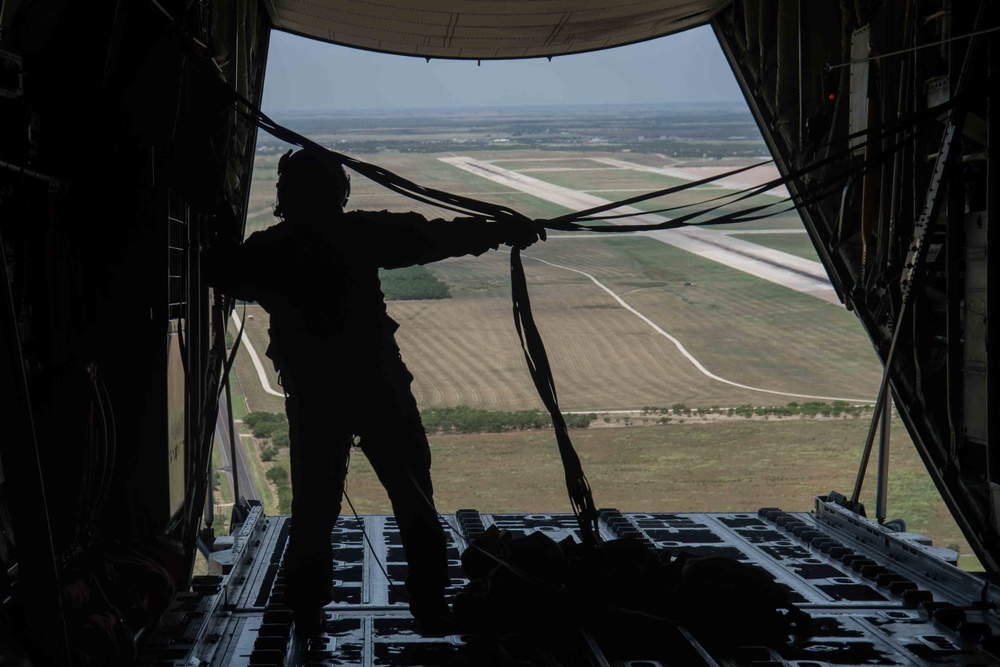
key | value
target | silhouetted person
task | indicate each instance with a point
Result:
(332, 343)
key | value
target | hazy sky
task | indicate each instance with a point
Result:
(306, 75)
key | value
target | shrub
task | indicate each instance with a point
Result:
(268, 453)
(266, 424)
(464, 419)
(410, 283)
(279, 477)
(579, 420)
(808, 409)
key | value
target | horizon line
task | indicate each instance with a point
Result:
(540, 105)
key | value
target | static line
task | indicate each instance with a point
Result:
(690, 357)
(790, 271)
(755, 232)
(256, 360)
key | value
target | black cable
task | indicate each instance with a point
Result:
(371, 548)
(364, 533)
(232, 443)
(573, 221)
(111, 435)
(236, 344)
(87, 474)
(469, 205)
(430, 196)
(382, 176)
(577, 486)
(99, 438)
(458, 203)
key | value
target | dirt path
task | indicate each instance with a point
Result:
(687, 355)
(255, 358)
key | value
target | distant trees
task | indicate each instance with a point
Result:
(272, 425)
(411, 283)
(461, 419)
(464, 419)
(278, 476)
(807, 409)
(266, 426)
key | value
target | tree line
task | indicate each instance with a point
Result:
(411, 283)
(461, 419)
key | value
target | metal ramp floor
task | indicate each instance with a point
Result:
(876, 597)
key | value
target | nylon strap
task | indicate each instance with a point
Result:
(536, 358)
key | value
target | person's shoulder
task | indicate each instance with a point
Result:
(362, 216)
(268, 234)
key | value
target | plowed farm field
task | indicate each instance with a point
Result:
(628, 322)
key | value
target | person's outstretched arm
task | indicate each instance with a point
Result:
(404, 239)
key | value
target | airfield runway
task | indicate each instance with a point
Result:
(781, 268)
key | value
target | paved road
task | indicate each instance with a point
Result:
(247, 487)
(781, 268)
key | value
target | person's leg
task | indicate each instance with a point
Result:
(397, 448)
(318, 467)
(406, 479)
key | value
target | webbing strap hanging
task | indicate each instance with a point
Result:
(574, 220)
(577, 486)
(578, 221)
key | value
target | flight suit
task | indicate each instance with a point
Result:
(332, 343)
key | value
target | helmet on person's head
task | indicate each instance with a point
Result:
(310, 183)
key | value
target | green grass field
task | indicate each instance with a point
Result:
(726, 466)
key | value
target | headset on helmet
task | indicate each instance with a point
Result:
(311, 171)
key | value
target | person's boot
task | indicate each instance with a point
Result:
(309, 588)
(308, 621)
(433, 614)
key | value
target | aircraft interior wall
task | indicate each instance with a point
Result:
(901, 222)
(118, 155)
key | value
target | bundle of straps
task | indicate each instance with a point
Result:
(898, 135)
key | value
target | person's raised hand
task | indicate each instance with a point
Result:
(523, 233)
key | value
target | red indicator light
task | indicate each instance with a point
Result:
(831, 97)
